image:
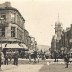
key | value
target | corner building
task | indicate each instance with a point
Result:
(11, 24)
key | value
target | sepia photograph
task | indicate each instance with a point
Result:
(35, 35)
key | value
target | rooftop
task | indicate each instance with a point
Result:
(7, 6)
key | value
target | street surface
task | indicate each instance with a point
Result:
(21, 68)
(56, 68)
(44, 66)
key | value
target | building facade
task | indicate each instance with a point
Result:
(33, 43)
(11, 24)
(64, 43)
(12, 27)
(55, 43)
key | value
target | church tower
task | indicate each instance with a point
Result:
(58, 28)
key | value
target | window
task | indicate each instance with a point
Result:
(12, 31)
(2, 31)
(3, 16)
(13, 18)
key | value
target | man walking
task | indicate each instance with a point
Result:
(16, 55)
(66, 59)
(6, 59)
(0, 60)
(29, 57)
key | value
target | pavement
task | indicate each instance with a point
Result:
(21, 68)
(56, 68)
(44, 66)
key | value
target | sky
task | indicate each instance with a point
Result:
(40, 16)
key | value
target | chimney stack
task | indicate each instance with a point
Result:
(7, 4)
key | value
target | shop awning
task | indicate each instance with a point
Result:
(12, 46)
(24, 46)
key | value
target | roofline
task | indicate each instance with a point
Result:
(11, 8)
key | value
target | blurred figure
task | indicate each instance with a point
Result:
(44, 55)
(66, 59)
(0, 60)
(6, 59)
(16, 55)
(55, 56)
(38, 57)
(22, 54)
(29, 57)
(35, 56)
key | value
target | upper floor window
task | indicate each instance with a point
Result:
(12, 31)
(3, 16)
(2, 31)
(13, 18)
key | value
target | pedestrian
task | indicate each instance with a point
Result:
(44, 56)
(0, 60)
(66, 59)
(38, 57)
(55, 56)
(29, 57)
(6, 59)
(16, 55)
(35, 56)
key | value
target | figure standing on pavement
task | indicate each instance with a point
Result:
(38, 57)
(0, 60)
(6, 59)
(16, 55)
(66, 59)
(55, 56)
(35, 56)
(29, 57)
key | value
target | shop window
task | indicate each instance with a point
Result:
(12, 31)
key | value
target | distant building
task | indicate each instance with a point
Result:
(33, 43)
(66, 38)
(58, 30)
(26, 34)
(55, 43)
(29, 42)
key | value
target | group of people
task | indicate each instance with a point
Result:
(66, 58)
(8, 57)
(36, 56)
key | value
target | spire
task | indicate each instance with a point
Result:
(58, 16)
(58, 20)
